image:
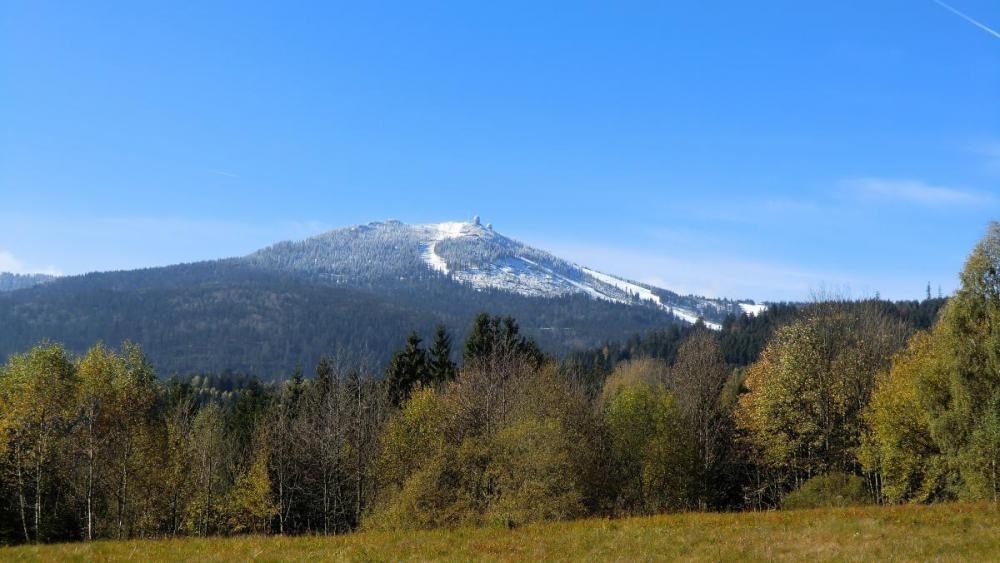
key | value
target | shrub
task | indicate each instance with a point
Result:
(534, 473)
(829, 490)
(652, 455)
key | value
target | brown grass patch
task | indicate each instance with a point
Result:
(943, 532)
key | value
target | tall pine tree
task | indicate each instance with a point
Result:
(499, 335)
(440, 366)
(407, 368)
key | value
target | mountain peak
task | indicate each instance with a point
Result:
(473, 255)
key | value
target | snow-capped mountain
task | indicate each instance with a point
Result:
(353, 292)
(475, 255)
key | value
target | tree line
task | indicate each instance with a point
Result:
(845, 402)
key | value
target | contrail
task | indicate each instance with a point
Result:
(968, 19)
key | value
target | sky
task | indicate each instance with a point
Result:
(764, 150)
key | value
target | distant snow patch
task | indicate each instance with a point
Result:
(637, 290)
(440, 232)
(646, 294)
(584, 288)
(753, 310)
(530, 272)
(692, 317)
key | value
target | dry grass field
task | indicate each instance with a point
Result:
(944, 532)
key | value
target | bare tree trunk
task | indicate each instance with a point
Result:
(21, 496)
(38, 498)
(358, 438)
(208, 494)
(281, 503)
(90, 487)
(123, 498)
(326, 501)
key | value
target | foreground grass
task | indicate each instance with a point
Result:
(940, 532)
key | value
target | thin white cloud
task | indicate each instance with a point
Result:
(969, 19)
(915, 192)
(225, 173)
(10, 263)
(709, 275)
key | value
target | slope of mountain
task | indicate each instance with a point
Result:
(351, 292)
(476, 256)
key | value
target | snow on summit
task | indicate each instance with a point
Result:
(475, 255)
(444, 231)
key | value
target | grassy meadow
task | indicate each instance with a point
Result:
(942, 532)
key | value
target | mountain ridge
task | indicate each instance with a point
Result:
(481, 257)
(352, 292)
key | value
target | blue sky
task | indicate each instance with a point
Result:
(762, 150)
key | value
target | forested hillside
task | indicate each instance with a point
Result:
(213, 316)
(10, 282)
(351, 291)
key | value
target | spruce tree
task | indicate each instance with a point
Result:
(295, 387)
(407, 368)
(324, 374)
(440, 366)
(480, 340)
(495, 335)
